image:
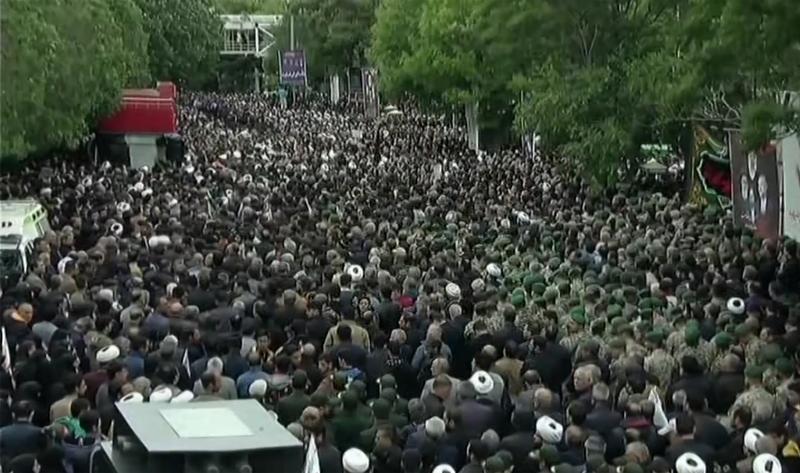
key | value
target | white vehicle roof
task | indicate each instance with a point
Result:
(15, 213)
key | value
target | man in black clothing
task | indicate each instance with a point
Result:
(521, 441)
(551, 361)
(478, 452)
(727, 384)
(692, 378)
(686, 442)
(388, 311)
(707, 429)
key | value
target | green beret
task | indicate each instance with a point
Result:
(633, 468)
(645, 304)
(539, 279)
(769, 353)
(742, 330)
(691, 335)
(578, 315)
(617, 342)
(723, 340)
(754, 372)
(495, 464)
(616, 322)
(539, 301)
(549, 455)
(658, 303)
(613, 310)
(518, 299)
(381, 408)
(538, 288)
(528, 281)
(624, 328)
(784, 366)
(655, 336)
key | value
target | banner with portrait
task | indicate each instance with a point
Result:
(372, 102)
(756, 187)
(710, 169)
(293, 68)
(789, 153)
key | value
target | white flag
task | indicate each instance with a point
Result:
(312, 459)
(185, 362)
(659, 417)
(7, 356)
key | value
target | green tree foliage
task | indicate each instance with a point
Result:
(64, 61)
(334, 33)
(598, 79)
(253, 7)
(185, 38)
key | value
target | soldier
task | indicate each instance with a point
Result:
(785, 376)
(693, 347)
(749, 343)
(722, 344)
(769, 354)
(575, 334)
(659, 363)
(760, 402)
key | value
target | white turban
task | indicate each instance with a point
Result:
(549, 430)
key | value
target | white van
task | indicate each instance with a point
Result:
(21, 222)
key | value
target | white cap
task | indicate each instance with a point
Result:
(751, 436)
(162, 394)
(258, 388)
(132, 398)
(736, 305)
(482, 382)
(690, 463)
(549, 430)
(138, 187)
(237, 154)
(443, 468)
(356, 272)
(494, 270)
(767, 463)
(183, 396)
(355, 461)
(107, 354)
(477, 285)
(435, 427)
(452, 290)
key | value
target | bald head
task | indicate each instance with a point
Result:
(543, 399)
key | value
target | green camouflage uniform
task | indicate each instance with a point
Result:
(752, 350)
(676, 341)
(661, 365)
(760, 402)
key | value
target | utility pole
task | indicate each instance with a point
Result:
(291, 32)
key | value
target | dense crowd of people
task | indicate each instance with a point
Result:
(408, 304)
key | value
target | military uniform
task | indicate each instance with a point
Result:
(660, 365)
(676, 341)
(760, 402)
(752, 350)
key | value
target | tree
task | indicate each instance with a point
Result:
(185, 38)
(64, 65)
(253, 7)
(334, 33)
(588, 99)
